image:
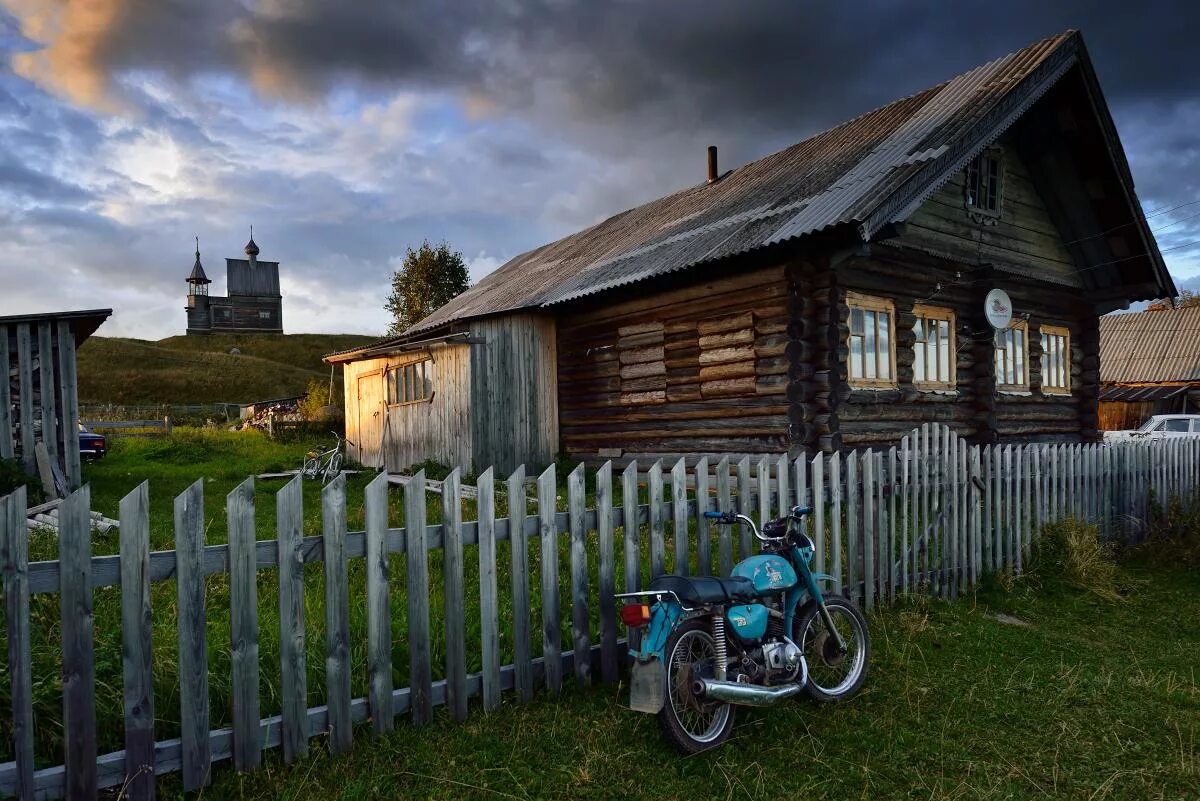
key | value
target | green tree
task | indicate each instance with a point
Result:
(428, 278)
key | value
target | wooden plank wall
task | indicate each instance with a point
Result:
(698, 369)
(513, 386)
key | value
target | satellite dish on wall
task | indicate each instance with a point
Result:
(997, 307)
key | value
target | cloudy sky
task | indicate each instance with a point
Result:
(346, 131)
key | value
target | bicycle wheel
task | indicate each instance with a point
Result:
(311, 468)
(334, 467)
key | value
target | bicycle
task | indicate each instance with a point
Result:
(325, 464)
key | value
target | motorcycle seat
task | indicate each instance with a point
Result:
(707, 589)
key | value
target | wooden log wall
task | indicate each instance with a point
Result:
(701, 368)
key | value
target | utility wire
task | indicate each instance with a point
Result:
(1132, 222)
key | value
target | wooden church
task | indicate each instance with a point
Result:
(253, 304)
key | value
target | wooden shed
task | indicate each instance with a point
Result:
(1149, 364)
(837, 293)
(38, 399)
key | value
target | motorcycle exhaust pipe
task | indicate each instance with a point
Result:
(731, 692)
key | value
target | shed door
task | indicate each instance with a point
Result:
(371, 415)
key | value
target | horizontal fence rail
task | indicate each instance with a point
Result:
(932, 515)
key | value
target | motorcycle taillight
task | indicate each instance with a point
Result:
(635, 615)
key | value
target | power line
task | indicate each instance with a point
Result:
(1132, 222)
(1193, 243)
(1177, 222)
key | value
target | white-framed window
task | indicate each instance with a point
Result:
(934, 355)
(1056, 359)
(872, 342)
(1012, 356)
(985, 183)
(409, 383)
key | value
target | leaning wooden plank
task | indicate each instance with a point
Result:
(745, 504)
(6, 421)
(243, 611)
(136, 651)
(379, 606)
(289, 505)
(193, 638)
(724, 504)
(632, 531)
(489, 599)
(551, 619)
(703, 539)
(452, 584)
(337, 615)
(70, 402)
(608, 585)
(519, 553)
(420, 667)
(679, 506)
(658, 548)
(581, 637)
(14, 565)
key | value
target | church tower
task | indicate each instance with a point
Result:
(253, 303)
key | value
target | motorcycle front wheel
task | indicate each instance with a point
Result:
(833, 674)
(690, 723)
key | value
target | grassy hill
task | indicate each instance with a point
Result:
(201, 369)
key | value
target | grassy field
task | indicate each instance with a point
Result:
(201, 369)
(1027, 689)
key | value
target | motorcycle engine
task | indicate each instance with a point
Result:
(782, 660)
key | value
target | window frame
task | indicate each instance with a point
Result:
(923, 312)
(1057, 331)
(979, 182)
(398, 378)
(1023, 385)
(874, 304)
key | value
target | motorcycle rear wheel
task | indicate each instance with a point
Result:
(691, 724)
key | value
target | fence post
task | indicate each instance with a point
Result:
(243, 624)
(608, 584)
(337, 614)
(14, 563)
(452, 586)
(379, 612)
(136, 651)
(519, 545)
(581, 637)
(193, 640)
(420, 669)
(680, 516)
(289, 506)
(489, 596)
(551, 622)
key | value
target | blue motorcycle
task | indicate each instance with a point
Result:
(765, 634)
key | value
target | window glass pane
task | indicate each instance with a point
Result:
(856, 321)
(885, 345)
(919, 357)
(1018, 356)
(428, 393)
(869, 344)
(856, 348)
(1177, 426)
(945, 357)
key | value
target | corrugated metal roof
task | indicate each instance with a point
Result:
(1138, 394)
(1150, 346)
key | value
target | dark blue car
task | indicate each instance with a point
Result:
(91, 444)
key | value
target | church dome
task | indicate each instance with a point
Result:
(251, 248)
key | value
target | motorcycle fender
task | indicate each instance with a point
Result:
(647, 686)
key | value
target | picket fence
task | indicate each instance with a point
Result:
(931, 515)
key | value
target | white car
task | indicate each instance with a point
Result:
(1161, 426)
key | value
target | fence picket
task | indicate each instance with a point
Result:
(337, 615)
(14, 564)
(889, 556)
(745, 506)
(193, 640)
(925, 529)
(581, 637)
(818, 504)
(835, 545)
(658, 547)
(783, 484)
(868, 531)
(519, 554)
(420, 668)
(608, 585)
(908, 512)
(452, 585)
(243, 624)
(679, 504)
(551, 620)
(724, 504)
(136, 650)
(764, 492)
(293, 670)
(853, 524)
(379, 611)
(977, 515)
(703, 538)
(489, 593)
(78, 645)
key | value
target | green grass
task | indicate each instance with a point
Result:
(200, 369)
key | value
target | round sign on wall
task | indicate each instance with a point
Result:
(998, 308)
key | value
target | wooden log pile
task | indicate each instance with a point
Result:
(46, 516)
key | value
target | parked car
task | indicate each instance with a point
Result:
(91, 444)
(1161, 426)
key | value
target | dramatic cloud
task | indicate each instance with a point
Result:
(346, 131)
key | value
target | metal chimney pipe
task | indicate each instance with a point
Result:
(712, 163)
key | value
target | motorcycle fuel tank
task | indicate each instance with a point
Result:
(769, 572)
(748, 621)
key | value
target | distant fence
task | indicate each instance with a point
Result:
(932, 515)
(133, 428)
(192, 412)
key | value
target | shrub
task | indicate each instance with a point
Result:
(1173, 533)
(1073, 551)
(317, 404)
